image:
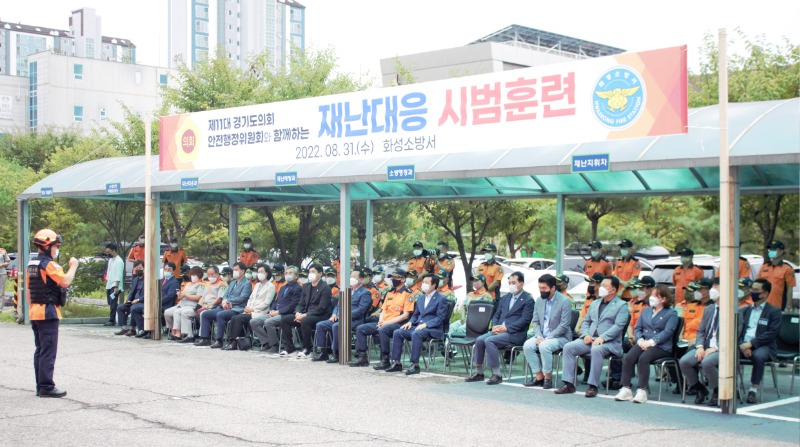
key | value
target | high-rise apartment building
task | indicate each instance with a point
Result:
(239, 28)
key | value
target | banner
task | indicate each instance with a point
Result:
(628, 95)
(6, 108)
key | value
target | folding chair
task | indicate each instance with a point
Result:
(435, 342)
(789, 343)
(672, 360)
(479, 315)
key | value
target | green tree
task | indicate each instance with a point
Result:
(33, 149)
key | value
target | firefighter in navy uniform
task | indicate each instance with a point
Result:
(46, 283)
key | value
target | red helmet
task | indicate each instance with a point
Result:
(46, 237)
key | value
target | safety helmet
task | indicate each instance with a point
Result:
(46, 237)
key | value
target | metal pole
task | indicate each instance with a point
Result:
(233, 233)
(368, 256)
(559, 233)
(156, 334)
(23, 248)
(151, 300)
(727, 352)
(344, 274)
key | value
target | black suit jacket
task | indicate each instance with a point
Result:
(315, 300)
(767, 327)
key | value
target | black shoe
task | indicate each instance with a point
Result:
(714, 401)
(130, 333)
(38, 392)
(495, 380)
(186, 340)
(122, 331)
(203, 342)
(359, 361)
(264, 348)
(143, 334)
(579, 372)
(751, 397)
(383, 365)
(333, 359)
(413, 369)
(702, 393)
(677, 390)
(548, 384)
(567, 388)
(217, 344)
(534, 382)
(397, 367)
(322, 357)
(108, 323)
(230, 347)
(592, 391)
(475, 377)
(614, 385)
(52, 392)
(171, 337)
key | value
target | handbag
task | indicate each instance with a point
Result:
(243, 343)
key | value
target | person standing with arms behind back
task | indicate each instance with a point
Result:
(46, 284)
(115, 274)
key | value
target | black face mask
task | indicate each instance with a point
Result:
(140, 273)
(546, 295)
(590, 290)
(396, 282)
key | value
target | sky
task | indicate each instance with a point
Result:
(362, 32)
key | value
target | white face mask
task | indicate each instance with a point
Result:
(624, 252)
(377, 278)
(409, 281)
(56, 252)
(174, 245)
(331, 281)
(417, 252)
(194, 278)
(713, 294)
(476, 285)
(353, 282)
(640, 294)
(603, 292)
(302, 280)
(236, 274)
(212, 278)
(513, 288)
(654, 301)
(312, 277)
(698, 296)
(289, 277)
(740, 294)
(426, 288)
(248, 276)
(595, 253)
(488, 256)
(247, 246)
(262, 276)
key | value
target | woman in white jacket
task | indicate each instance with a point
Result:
(257, 306)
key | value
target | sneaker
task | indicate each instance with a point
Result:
(285, 353)
(302, 355)
(641, 396)
(624, 394)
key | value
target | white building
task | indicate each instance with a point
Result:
(510, 48)
(240, 28)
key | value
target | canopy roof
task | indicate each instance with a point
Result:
(764, 140)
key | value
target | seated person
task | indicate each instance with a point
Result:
(257, 305)
(479, 292)
(759, 325)
(427, 322)
(360, 301)
(591, 295)
(510, 324)
(314, 306)
(169, 291)
(413, 282)
(696, 299)
(703, 354)
(277, 278)
(653, 335)
(744, 292)
(135, 296)
(552, 317)
(302, 279)
(332, 280)
(233, 302)
(216, 285)
(444, 288)
(396, 310)
(601, 335)
(284, 304)
(379, 282)
(179, 317)
(562, 283)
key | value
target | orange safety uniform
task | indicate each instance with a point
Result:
(248, 257)
(53, 273)
(335, 264)
(447, 292)
(636, 312)
(177, 257)
(419, 264)
(744, 269)
(625, 270)
(681, 277)
(383, 286)
(747, 301)
(396, 303)
(136, 254)
(448, 264)
(593, 266)
(376, 294)
(586, 304)
(493, 272)
(692, 315)
(278, 285)
(782, 278)
(335, 290)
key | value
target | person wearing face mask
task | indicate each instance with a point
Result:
(248, 256)
(654, 332)
(360, 301)
(704, 351)
(252, 275)
(179, 318)
(283, 305)
(175, 254)
(396, 310)
(135, 296)
(685, 273)
(233, 301)
(491, 270)
(375, 293)
(551, 330)
(626, 267)
(137, 250)
(256, 308)
(510, 322)
(302, 277)
(759, 325)
(597, 263)
(640, 300)
(421, 262)
(780, 276)
(331, 280)
(379, 282)
(315, 306)
(413, 282)
(562, 282)
(46, 284)
(745, 271)
(591, 295)
(444, 288)
(601, 335)
(278, 280)
(427, 322)
(169, 291)
(444, 262)
(697, 297)
(743, 293)
(115, 274)
(479, 292)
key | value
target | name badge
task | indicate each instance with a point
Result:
(762, 321)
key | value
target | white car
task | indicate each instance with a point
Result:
(532, 263)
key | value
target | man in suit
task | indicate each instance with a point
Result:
(509, 328)
(314, 306)
(169, 292)
(284, 304)
(705, 355)
(759, 325)
(136, 295)
(360, 301)
(233, 302)
(426, 323)
(601, 335)
(552, 317)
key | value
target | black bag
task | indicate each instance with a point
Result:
(62, 297)
(243, 343)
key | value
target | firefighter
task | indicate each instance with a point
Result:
(47, 286)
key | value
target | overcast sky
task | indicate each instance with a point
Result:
(364, 31)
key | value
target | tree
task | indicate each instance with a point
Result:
(33, 149)
(597, 208)
(516, 220)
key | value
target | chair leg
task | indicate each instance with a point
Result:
(794, 371)
(608, 375)
(775, 380)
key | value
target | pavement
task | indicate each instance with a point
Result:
(128, 392)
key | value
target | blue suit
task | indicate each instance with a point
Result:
(136, 293)
(360, 302)
(432, 316)
(515, 317)
(237, 294)
(169, 292)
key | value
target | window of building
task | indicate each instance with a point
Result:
(90, 47)
(201, 12)
(33, 100)
(77, 113)
(163, 78)
(201, 41)
(201, 26)
(296, 15)
(103, 114)
(77, 71)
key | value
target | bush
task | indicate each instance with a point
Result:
(89, 279)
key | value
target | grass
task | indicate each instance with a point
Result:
(95, 295)
(6, 317)
(74, 310)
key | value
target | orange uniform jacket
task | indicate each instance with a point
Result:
(744, 269)
(136, 254)
(782, 278)
(625, 270)
(448, 264)
(636, 312)
(419, 263)
(493, 272)
(396, 303)
(56, 274)
(682, 277)
(593, 266)
(692, 314)
(248, 257)
(177, 257)
(278, 285)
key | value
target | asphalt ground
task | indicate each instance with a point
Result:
(129, 392)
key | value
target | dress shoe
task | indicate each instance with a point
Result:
(475, 377)
(186, 340)
(171, 337)
(143, 334)
(383, 365)
(322, 357)
(397, 367)
(714, 401)
(203, 342)
(702, 392)
(130, 333)
(592, 391)
(548, 384)
(751, 397)
(109, 323)
(217, 344)
(534, 382)
(122, 331)
(263, 348)
(495, 380)
(360, 361)
(230, 347)
(52, 392)
(614, 385)
(413, 369)
(333, 359)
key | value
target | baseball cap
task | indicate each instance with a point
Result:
(647, 281)
(634, 283)
(418, 244)
(563, 278)
(412, 273)
(693, 286)
(706, 282)
(226, 271)
(489, 247)
(597, 277)
(596, 244)
(330, 271)
(278, 268)
(625, 243)
(443, 275)
(745, 282)
(686, 252)
(479, 277)
(379, 269)
(399, 273)
(777, 245)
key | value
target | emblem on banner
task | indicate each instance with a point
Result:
(186, 140)
(619, 97)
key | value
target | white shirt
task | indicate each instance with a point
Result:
(428, 299)
(115, 272)
(752, 325)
